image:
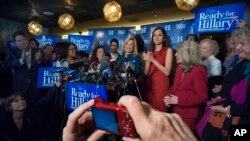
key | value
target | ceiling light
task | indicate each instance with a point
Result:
(35, 28)
(186, 5)
(66, 21)
(112, 11)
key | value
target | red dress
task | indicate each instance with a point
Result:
(157, 82)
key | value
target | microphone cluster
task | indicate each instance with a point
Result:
(121, 73)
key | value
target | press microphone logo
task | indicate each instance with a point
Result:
(239, 132)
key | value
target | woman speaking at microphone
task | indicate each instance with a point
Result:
(130, 54)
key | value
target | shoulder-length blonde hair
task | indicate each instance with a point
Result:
(135, 49)
(244, 35)
(189, 52)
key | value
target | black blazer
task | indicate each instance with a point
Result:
(22, 75)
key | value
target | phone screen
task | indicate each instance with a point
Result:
(105, 119)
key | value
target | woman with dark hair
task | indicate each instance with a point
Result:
(157, 69)
(68, 55)
(96, 56)
(192, 37)
(15, 124)
(33, 43)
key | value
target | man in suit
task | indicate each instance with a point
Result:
(113, 54)
(23, 62)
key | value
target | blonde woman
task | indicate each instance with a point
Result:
(130, 53)
(189, 90)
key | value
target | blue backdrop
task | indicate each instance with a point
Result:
(102, 36)
(177, 31)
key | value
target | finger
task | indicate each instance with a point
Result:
(130, 139)
(173, 95)
(76, 114)
(86, 116)
(181, 128)
(137, 114)
(96, 135)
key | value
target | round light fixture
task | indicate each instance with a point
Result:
(112, 11)
(35, 28)
(186, 5)
(66, 21)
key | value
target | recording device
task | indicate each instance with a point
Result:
(104, 63)
(76, 65)
(112, 118)
(59, 70)
(129, 66)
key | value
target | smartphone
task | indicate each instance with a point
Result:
(113, 119)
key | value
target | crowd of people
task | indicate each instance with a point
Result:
(175, 106)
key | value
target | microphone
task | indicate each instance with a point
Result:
(69, 71)
(84, 62)
(104, 64)
(129, 66)
(117, 72)
(107, 72)
(58, 70)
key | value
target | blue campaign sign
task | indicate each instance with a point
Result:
(177, 30)
(11, 43)
(46, 40)
(102, 36)
(79, 93)
(48, 76)
(218, 18)
(83, 43)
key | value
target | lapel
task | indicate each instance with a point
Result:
(32, 61)
(180, 79)
(17, 52)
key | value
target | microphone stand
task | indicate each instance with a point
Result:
(138, 91)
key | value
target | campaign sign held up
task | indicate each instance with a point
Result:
(47, 76)
(218, 18)
(83, 43)
(79, 93)
(46, 40)
(11, 43)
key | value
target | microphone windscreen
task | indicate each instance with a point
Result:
(104, 63)
(76, 65)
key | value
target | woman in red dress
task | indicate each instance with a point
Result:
(157, 69)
